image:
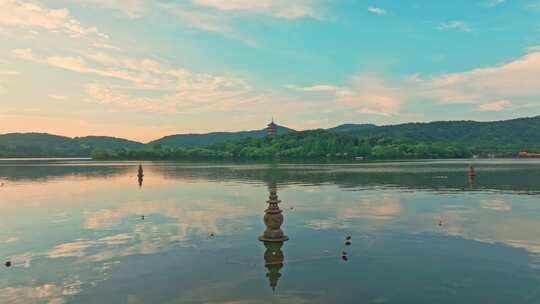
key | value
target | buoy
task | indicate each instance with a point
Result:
(348, 237)
(142, 217)
(348, 243)
(8, 264)
(211, 234)
(345, 258)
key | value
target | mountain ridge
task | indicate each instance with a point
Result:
(514, 133)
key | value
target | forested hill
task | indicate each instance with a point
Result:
(521, 133)
(48, 145)
(208, 139)
(503, 137)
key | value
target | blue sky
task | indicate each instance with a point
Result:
(146, 68)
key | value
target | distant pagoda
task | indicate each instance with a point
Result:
(272, 129)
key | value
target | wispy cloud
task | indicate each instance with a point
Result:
(493, 3)
(127, 8)
(15, 13)
(455, 25)
(9, 73)
(377, 10)
(495, 106)
(283, 9)
(364, 94)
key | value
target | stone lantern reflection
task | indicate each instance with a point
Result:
(273, 237)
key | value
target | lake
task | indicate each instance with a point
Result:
(78, 231)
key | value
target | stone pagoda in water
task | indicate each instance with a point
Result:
(273, 218)
(273, 237)
(272, 129)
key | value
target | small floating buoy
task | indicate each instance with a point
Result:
(348, 237)
(347, 243)
(8, 264)
(344, 253)
(440, 222)
(292, 208)
(211, 235)
(345, 258)
(142, 217)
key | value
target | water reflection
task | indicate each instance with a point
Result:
(100, 241)
(140, 176)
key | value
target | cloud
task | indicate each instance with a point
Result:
(15, 13)
(57, 97)
(494, 106)
(509, 81)
(129, 8)
(10, 73)
(494, 3)
(455, 25)
(151, 85)
(365, 94)
(283, 9)
(493, 88)
(25, 54)
(377, 10)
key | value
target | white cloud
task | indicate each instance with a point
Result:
(494, 3)
(377, 10)
(57, 97)
(25, 54)
(284, 9)
(365, 94)
(15, 13)
(9, 73)
(510, 85)
(494, 106)
(509, 81)
(129, 8)
(455, 25)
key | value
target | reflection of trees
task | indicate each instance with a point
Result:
(50, 171)
(516, 177)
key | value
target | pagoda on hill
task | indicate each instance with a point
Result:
(272, 129)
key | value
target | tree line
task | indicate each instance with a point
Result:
(314, 144)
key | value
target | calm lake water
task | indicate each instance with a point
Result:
(421, 232)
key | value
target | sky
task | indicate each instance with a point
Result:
(142, 69)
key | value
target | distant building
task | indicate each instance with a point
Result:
(272, 129)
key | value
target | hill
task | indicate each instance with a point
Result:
(48, 145)
(208, 139)
(351, 127)
(520, 133)
(106, 142)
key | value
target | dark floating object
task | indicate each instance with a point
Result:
(142, 217)
(212, 235)
(8, 264)
(344, 253)
(345, 258)
(440, 222)
(292, 208)
(348, 237)
(348, 243)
